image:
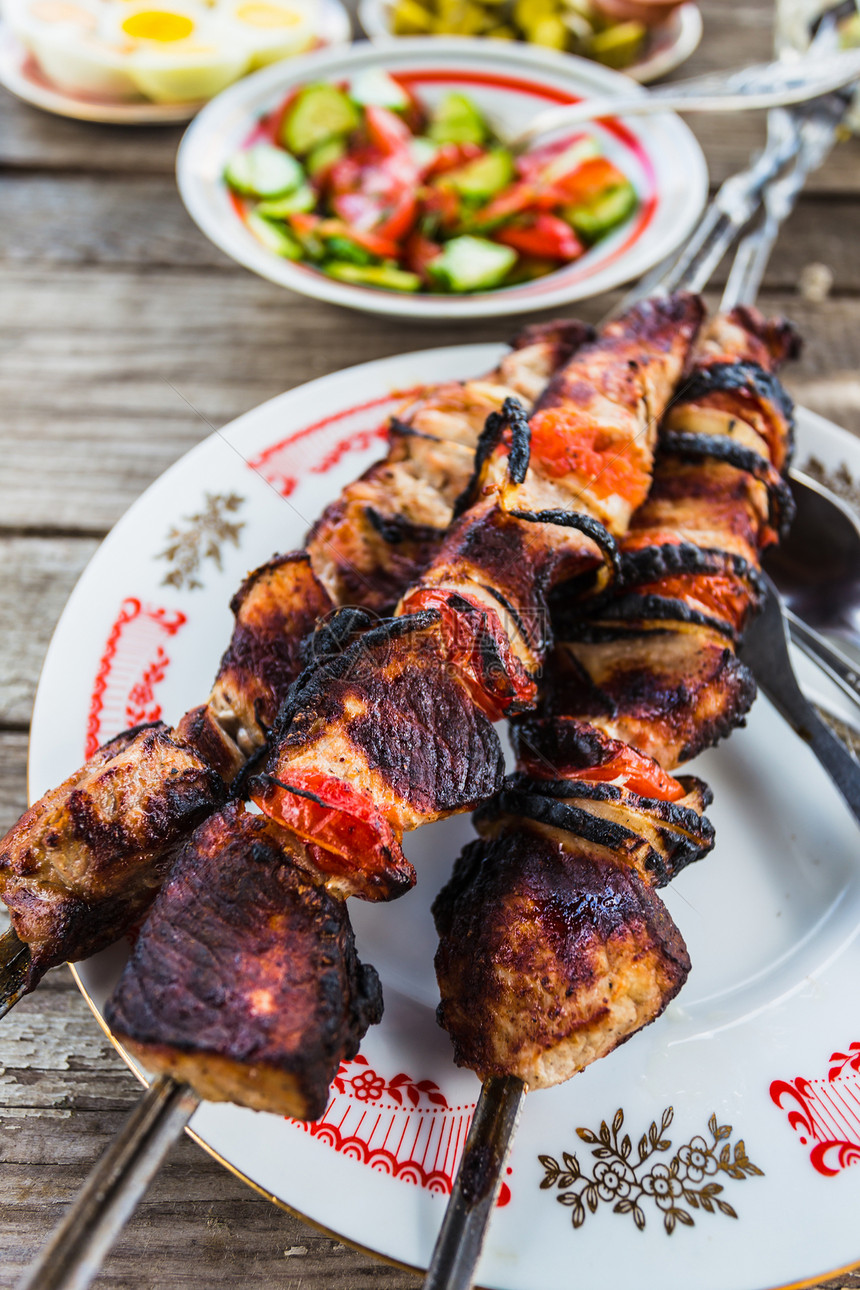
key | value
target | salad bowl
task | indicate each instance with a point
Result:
(507, 85)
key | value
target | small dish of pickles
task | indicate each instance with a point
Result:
(645, 39)
(378, 179)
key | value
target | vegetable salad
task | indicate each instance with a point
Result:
(368, 186)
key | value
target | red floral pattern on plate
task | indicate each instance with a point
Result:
(132, 664)
(825, 1111)
(399, 1126)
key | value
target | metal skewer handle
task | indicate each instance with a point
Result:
(14, 970)
(108, 1198)
(479, 1177)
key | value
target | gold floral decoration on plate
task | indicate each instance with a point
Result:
(201, 539)
(627, 1179)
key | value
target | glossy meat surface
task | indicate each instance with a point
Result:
(84, 861)
(550, 956)
(244, 981)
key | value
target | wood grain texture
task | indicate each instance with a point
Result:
(124, 338)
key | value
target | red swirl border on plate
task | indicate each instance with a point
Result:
(273, 463)
(825, 1111)
(123, 693)
(399, 1126)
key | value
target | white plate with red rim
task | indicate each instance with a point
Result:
(510, 83)
(22, 76)
(667, 46)
(759, 1056)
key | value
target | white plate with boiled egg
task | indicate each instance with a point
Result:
(144, 62)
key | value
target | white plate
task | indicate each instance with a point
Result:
(771, 920)
(20, 74)
(510, 83)
(668, 45)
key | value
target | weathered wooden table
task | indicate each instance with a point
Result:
(118, 319)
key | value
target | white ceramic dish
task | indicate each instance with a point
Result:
(20, 75)
(510, 83)
(668, 46)
(761, 1048)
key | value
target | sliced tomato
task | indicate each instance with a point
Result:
(387, 131)
(444, 205)
(517, 199)
(545, 236)
(566, 441)
(400, 219)
(477, 646)
(419, 252)
(589, 180)
(347, 834)
(530, 164)
(637, 772)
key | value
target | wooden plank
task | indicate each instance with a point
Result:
(140, 221)
(38, 576)
(99, 399)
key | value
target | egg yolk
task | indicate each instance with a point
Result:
(158, 25)
(267, 15)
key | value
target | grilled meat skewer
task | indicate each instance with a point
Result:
(539, 978)
(377, 740)
(398, 733)
(82, 865)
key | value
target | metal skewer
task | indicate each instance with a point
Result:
(14, 970)
(807, 135)
(108, 1198)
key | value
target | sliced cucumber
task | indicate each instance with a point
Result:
(297, 203)
(373, 275)
(263, 171)
(274, 237)
(375, 88)
(321, 112)
(482, 178)
(472, 264)
(593, 220)
(457, 120)
(324, 155)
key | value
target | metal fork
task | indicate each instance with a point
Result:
(765, 651)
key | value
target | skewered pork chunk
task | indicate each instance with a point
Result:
(81, 866)
(646, 677)
(245, 980)
(84, 862)
(550, 955)
(384, 529)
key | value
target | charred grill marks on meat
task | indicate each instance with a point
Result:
(553, 945)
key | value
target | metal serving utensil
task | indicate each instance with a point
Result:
(765, 651)
(817, 569)
(461, 1237)
(761, 86)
